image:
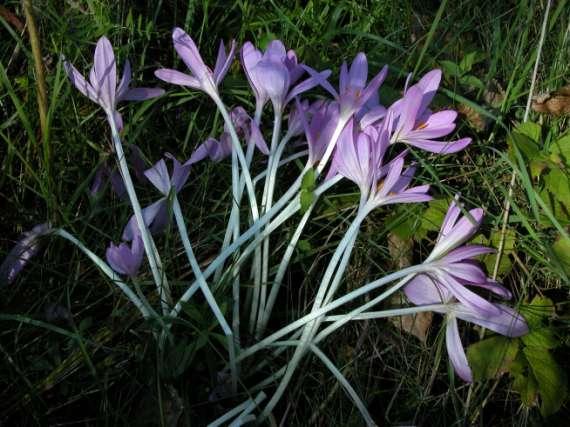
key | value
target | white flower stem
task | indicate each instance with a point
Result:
(210, 299)
(108, 271)
(334, 138)
(149, 247)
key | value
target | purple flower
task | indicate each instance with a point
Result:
(359, 157)
(156, 215)
(217, 150)
(22, 253)
(102, 87)
(426, 290)
(320, 129)
(125, 259)
(273, 75)
(451, 270)
(202, 77)
(415, 125)
(354, 94)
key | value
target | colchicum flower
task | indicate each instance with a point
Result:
(125, 259)
(359, 157)
(416, 125)
(451, 270)
(21, 254)
(273, 75)
(354, 94)
(217, 150)
(156, 215)
(319, 131)
(102, 87)
(202, 77)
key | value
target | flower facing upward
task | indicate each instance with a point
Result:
(451, 270)
(359, 156)
(353, 92)
(274, 74)
(102, 87)
(125, 259)
(202, 77)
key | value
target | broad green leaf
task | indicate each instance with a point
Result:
(472, 81)
(537, 312)
(544, 338)
(451, 69)
(560, 151)
(508, 243)
(492, 357)
(467, 61)
(527, 387)
(561, 249)
(529, 149)
(432, 217)
(551, 379)
(557, 183)
(530, 129)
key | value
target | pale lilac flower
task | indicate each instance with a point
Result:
(21, 254)
(427, 290)
(319, 131)
(125, 259)
(414, 124)
(156, 215)
(102, 87)
(451, 269)
(202, 77)
(359, 156)
(354, 93)
(273, 75)
(217, 150)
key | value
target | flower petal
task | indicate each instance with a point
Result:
(125, 81)
(189, 53)
(142, 93)
(105, 71)
(455, 350)
(506, 322)
(177, 78)
(79, 82)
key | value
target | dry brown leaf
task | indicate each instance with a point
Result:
(554, 103)
(476, 120)
(11, 18)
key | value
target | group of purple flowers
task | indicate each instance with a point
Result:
(366, 152)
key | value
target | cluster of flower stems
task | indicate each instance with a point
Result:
(349, 136)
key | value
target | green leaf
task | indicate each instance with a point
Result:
(544, 338)
(527, 387)
(492, 357)
(530, 129)
(561, 249)
(467, 61)
(551, 379)
(560, 151)
(472, 81)
(432, 217)
(451, 69)
(557, 183)
(525, 144)
(538, 311)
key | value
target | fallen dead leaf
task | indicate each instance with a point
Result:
(554, 103)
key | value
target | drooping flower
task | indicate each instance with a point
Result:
(414, 124)
(451, 270)
(273, 75)
(217, 150)
(102, 87)
(21, 254)
(354, 93)
(125, 259)
(427, 290)
(202, 77)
